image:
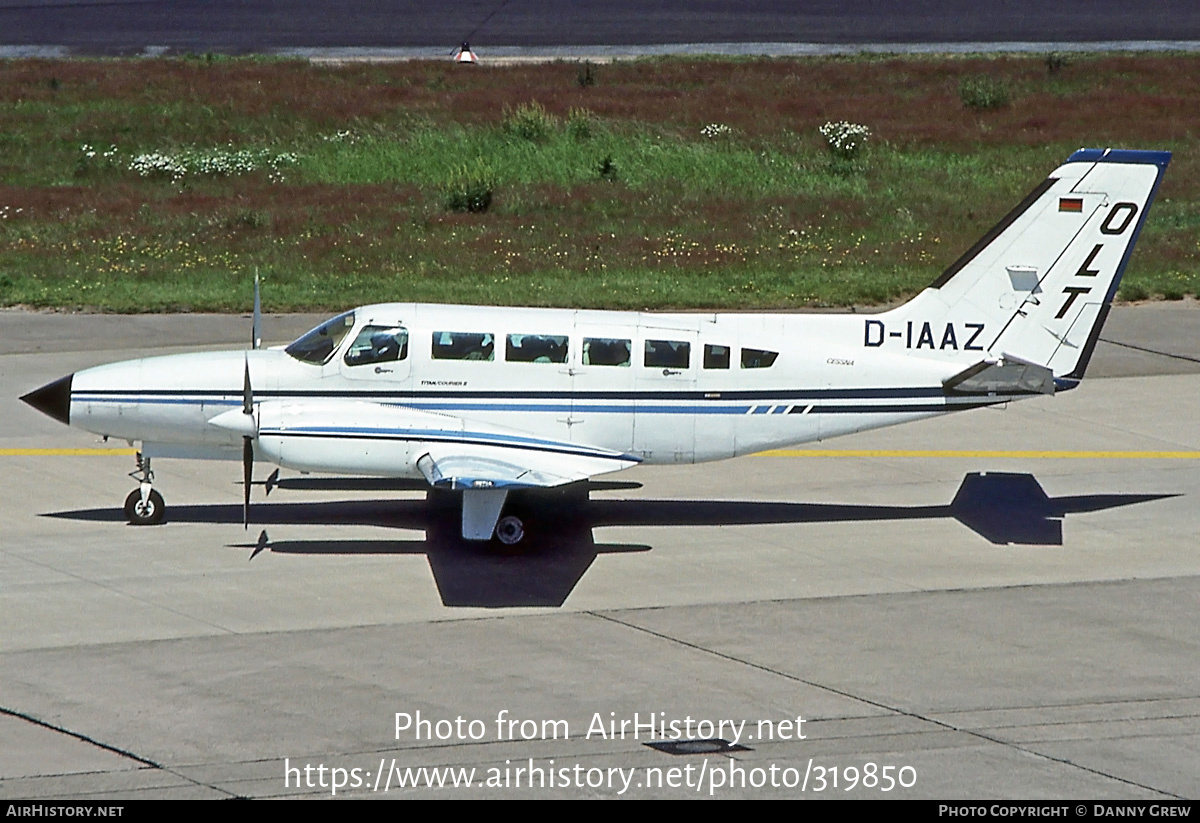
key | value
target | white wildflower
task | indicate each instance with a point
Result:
(844, 139)
(220, 162)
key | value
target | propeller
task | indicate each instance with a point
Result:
(256, 325)
(247, 446)
(248, 403)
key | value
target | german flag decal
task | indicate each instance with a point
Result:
(1074, 204)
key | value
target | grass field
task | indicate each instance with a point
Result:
(146, 185)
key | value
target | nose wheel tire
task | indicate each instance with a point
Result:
(150, 513)
(510, 531)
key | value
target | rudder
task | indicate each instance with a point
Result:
(1041, 282)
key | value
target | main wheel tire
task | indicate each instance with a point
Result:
(150, 513)
(510, 530)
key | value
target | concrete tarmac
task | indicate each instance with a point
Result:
(972, 622)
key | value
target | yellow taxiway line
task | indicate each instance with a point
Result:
(1029, 454)
(67, 452)
(1024, 454)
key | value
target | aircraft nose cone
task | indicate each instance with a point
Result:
(53, 399)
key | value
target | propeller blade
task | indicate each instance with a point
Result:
(256, 328)
(272, 481)
(247, 392)
(247, 473)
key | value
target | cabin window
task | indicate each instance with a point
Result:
(603, 351)
(536, 348)
(716, 357)
(667, 354)
(757, 358)
(378, 344)
(318, 345)
(457, 345)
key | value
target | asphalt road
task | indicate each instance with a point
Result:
(134, 26)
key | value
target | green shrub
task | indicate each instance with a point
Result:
(981, 92)
(586, 78)
(606, 169)
(1133, 291)
(469, 188)
(579, 124)
(530, 121)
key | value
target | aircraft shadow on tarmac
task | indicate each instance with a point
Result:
(1004, 508)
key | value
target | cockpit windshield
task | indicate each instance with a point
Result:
(318, 345)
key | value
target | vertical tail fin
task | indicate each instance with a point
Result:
(1038, 286)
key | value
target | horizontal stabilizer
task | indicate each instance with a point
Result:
(1009, 375)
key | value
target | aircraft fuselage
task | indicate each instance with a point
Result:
(664, 388)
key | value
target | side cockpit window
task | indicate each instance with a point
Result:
(669, 354)
(378, 344)
(318, 345)
(605, 351)
(758, 358)
(536, 348)
(458, 345)
(716, 357)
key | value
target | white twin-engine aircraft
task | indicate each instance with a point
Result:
(490, 400)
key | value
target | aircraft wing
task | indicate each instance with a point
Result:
(451, 452)
(486, 466)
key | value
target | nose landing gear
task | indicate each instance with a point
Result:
(144, 506)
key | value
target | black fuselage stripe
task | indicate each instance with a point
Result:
(392, 396)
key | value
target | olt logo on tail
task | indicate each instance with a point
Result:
(1115, 223)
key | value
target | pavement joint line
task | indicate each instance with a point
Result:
(19, 715)
(1149, 350)
(1050, 724)
(896, 710)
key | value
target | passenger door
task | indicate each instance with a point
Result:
(667, 362)
(602, 370)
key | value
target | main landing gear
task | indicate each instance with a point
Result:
(510, 531)
(482, 520)
(144, 506)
